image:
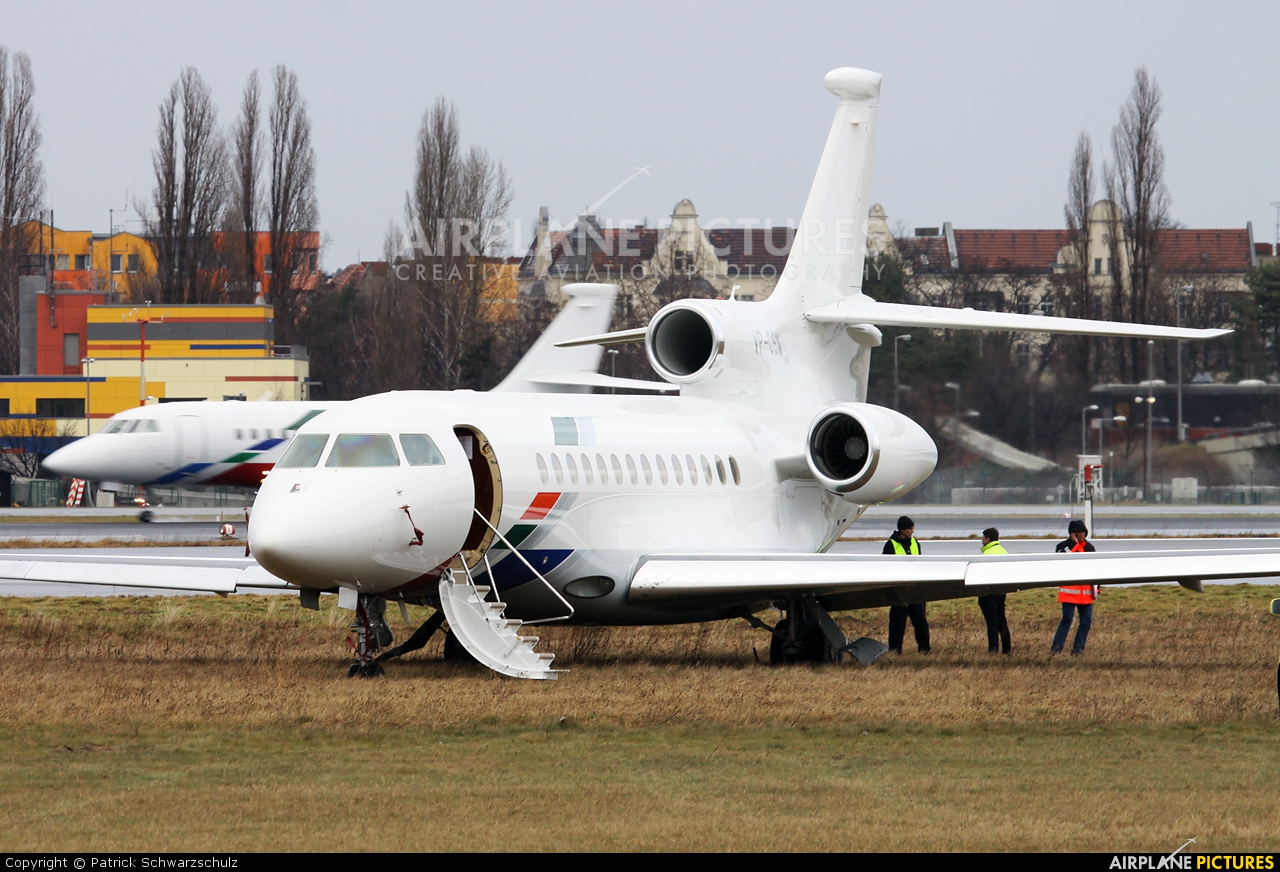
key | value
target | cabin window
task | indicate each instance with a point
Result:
(646, 469)
(239, 435)
(572, 467)
(586, 469)
(304, 452)
(363, 450)
(706, 469)
(720, 470)
(631, 470)
(662, 468)
(693, 469)
(733, 470)
(253, 434)
(542, 468)
(602, 468)
(677, 470)
(420, 450)
(617, 468)
(557, 469)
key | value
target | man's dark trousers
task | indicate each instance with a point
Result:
(898, 626)
(997, 627)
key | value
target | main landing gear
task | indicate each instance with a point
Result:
(808, 635)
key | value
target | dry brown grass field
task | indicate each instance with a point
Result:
(200, 723)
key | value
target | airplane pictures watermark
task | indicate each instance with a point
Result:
(1179, 860)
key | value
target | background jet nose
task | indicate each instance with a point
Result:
(68, 460)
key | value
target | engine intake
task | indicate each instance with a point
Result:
(868, 454)
(684, 342)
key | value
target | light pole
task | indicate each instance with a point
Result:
(905, 337)
(85, 361)
(1151, 401)
(1084, 430)
(955, 386)
(1102, 422)
(1177, 305)
(613, 364)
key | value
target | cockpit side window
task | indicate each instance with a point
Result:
(420, 450)
(149, 426)
(116, 425)
(304, 452)
(363, 449)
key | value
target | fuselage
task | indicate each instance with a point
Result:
(189, 443)
(582, 485)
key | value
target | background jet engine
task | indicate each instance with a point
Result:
(685, 342)
(868, 454)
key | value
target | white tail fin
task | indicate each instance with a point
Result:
(826, 261)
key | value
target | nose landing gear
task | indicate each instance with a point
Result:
(372, 635)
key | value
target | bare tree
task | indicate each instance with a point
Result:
(21, 190)
(246, 206)
(1076, 288)
(190, 162)
(456, 212)
(1135, 183)
(292, 211)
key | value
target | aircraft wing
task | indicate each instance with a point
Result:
(221, 575)
(863, 310)
(860, 581)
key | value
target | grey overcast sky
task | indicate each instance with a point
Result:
(981, 103)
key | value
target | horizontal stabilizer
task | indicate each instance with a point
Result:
(590, 308)
(202, 574)
(621, 337)
(864, 310)
(599, 380)
(708, 577)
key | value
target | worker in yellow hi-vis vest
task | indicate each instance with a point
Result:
(992, 605)
(903, 543)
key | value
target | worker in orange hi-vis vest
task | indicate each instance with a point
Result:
(1077, 597)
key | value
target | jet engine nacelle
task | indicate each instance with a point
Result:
(685, 342)
(868, 454)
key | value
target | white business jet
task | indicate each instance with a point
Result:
(235, 443)
(507, 509)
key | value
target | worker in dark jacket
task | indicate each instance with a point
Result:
(992, 605)
(1075, 597)
(903, 542)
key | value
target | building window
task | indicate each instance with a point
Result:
(82, 261)
(1097, 266)
(266, 263)
(4, 407)
(135, 263)
(63, 261)
(312, 262)
(71, 349)
(1046, 306)
(1024, 304)
(60, 407)
(117, 263)
(683, 262)
(1024, 353)
(1108, 266)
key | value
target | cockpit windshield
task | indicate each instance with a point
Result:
(131, 425)
(304, 452)
(420, 450)
(363, 449)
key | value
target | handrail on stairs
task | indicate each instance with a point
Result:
(535, 572)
